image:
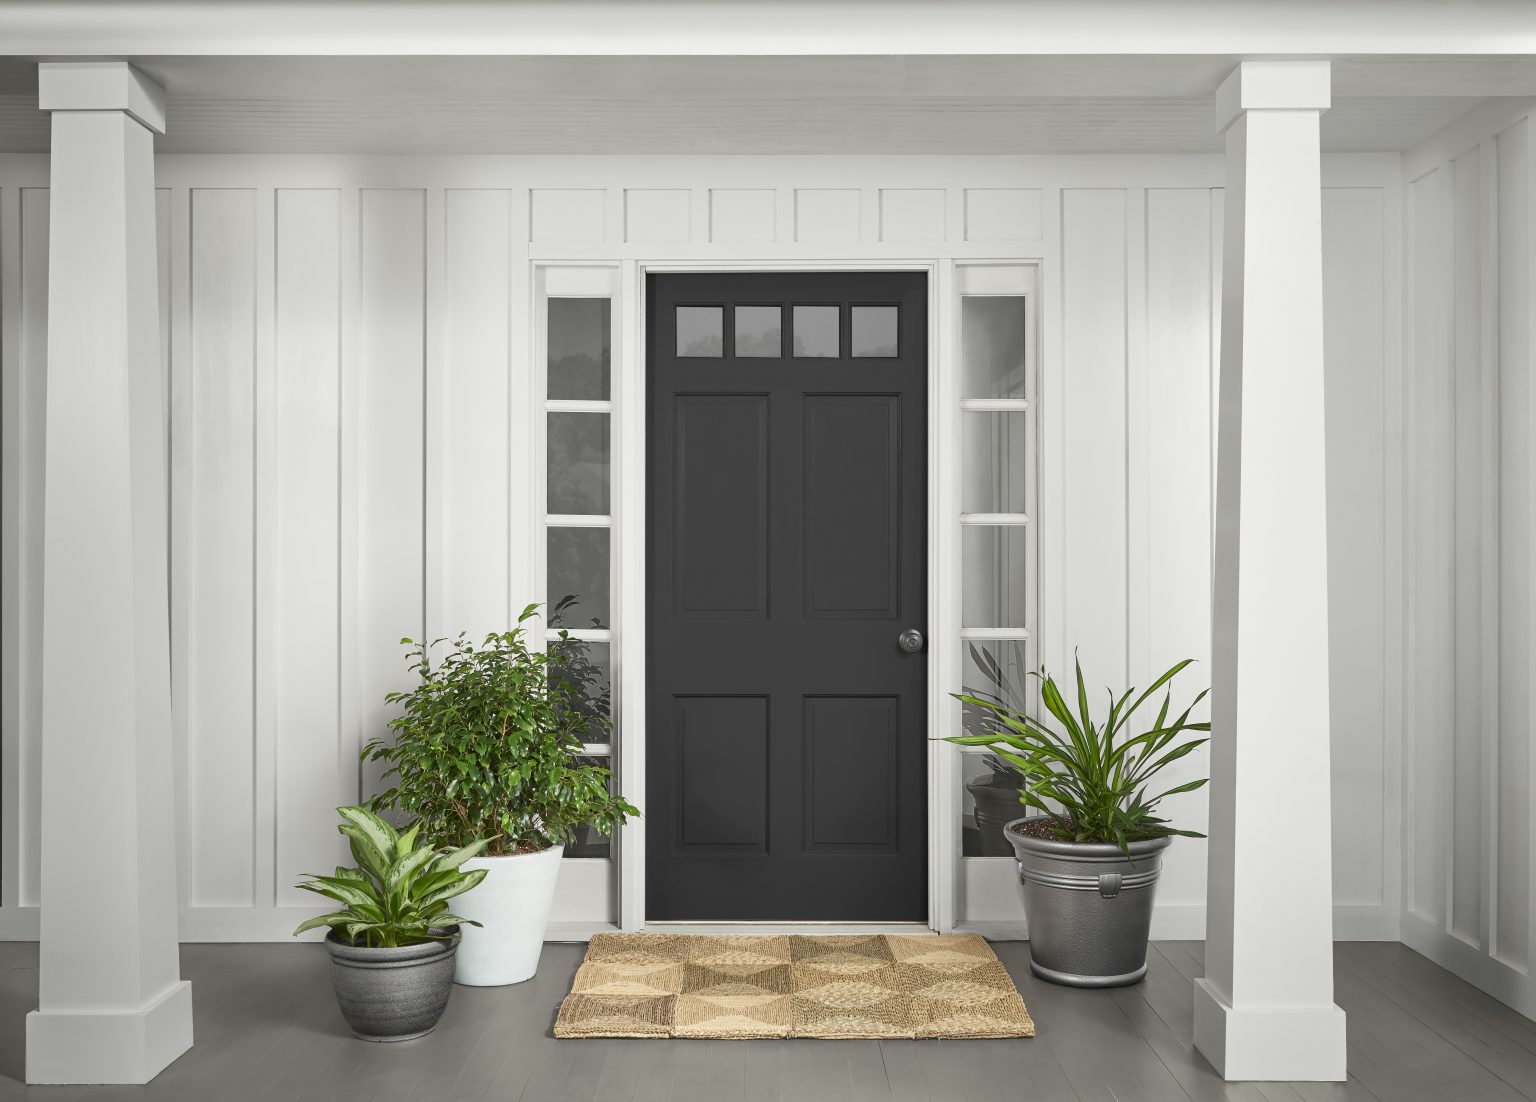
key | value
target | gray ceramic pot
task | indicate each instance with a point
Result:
(1089, 909)
(392, 994)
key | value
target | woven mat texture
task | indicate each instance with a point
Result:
(745, 986)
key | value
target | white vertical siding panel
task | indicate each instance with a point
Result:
(1176, 472)
(1094, 356)
(1466, 888)
(302, 616)
(1354, 294)
(476, 434)
(221, 556)
(1512, 841)
(31, 391)
(391, 369)
(1432, 548)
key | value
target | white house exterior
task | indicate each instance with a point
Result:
(276, 338)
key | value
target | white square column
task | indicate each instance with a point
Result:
(112, 1007)
(1265, 1009)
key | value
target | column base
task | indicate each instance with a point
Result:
(115, 1047)
(1270, 1045)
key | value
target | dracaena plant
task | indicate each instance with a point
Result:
(1093, 777)
(488, 743)
(398, 893)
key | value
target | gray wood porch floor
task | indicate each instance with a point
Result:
(268, 1028)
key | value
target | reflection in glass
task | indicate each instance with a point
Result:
(993, 463)
(990, 801)
(992, 346)
(578, 463)
(700, 330)
(580, 357)
(817, 331)
(995, 670)
(758, 331)
(579, 575)
(873, 331)
(993, 576)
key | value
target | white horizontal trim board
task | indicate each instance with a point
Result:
(357, 420)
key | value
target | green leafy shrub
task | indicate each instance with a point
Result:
(398, 895)
(1092, 780)
(488, 744)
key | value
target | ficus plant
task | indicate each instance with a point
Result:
(398, 893)
(488, 744)
(1091, 779)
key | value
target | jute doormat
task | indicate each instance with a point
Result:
(742, 986)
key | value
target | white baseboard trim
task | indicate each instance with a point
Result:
(110, 1047)
(1504, 982)
(1303, 1044)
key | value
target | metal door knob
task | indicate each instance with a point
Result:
(910, 640)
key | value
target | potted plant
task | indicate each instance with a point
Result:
(488, 744)
(1090, 855)
(392, 943)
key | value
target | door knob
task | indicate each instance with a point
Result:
(910, 640)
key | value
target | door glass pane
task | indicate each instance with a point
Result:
(585, 667)
(992, 346)
(758, 331)
(817, 331)
(992, 579)
(578, 463)
(993, 463)
(580, 358)
(700, 330)
(578, 577)
(873, 331)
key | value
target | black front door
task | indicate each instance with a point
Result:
(786, 555)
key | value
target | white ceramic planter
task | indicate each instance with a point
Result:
(512, 903)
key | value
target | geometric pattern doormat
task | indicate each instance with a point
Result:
(744, 986)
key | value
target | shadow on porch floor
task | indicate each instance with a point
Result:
(268, 1028)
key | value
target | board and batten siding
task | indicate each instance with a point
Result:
(352, 421)
(1470, 736)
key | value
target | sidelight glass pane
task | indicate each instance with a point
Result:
(759, 331)
(589, 841)
(817, 331)
(579, 574)
(580, 354)
(992, 346)
(700, 330)
(994, 669)
(993, 456)
(579, 473)
(993, 577)
(585, 666)
(873, 331)
(988, 800)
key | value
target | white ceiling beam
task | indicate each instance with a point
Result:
(126, 28)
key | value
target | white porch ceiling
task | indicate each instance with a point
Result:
(754, 105)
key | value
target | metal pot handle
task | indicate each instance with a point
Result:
(1109, 884)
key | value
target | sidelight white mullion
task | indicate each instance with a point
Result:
(597, 750)
(585, 635)
(994, 405)
(995, 520)
(980, 635)
(576, 405)
(578, 520)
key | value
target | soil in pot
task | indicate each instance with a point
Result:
(392, 994)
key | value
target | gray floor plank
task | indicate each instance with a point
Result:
(268, 1027)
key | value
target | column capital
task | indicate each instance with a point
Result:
(101, 86)
(1273, 86)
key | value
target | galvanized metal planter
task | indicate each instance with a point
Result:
(392, 994)
(1089, 909)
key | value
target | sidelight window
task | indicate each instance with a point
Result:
(998, 581)
(577, 569)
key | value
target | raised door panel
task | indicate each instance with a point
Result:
(720, 477)
(852, 497)
(851, 774)
(721, 773)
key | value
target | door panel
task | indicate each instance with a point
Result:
(786, 551)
